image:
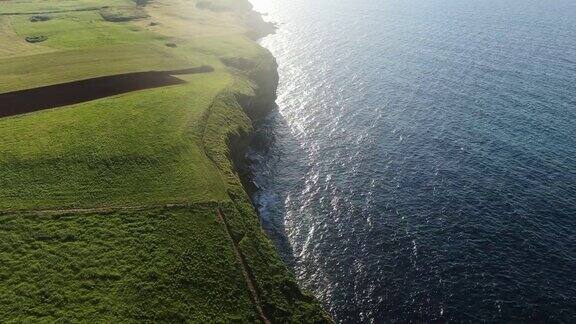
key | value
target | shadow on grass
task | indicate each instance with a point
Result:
(30, 100)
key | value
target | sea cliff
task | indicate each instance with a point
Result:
(120, 195)
(282, 299)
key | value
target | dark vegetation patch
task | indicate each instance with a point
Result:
(25, 101)
(121, 14)
(38, 18)
(142, 3)
(194, 70)
(172, 45)
(36, 39)
(239, 63)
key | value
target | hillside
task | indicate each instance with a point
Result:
(122, 204)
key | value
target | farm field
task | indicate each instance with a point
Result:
(127, 208)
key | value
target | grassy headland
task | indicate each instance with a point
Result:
(109, 209)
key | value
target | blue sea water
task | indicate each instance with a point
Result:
(421, 164)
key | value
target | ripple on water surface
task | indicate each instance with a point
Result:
(422, 162)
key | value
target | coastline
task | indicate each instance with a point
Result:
(257, 106)
(142, 193)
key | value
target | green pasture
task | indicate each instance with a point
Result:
(80, 29)
(22, 7)
(159, 265)
(139, 148)
(108, 207)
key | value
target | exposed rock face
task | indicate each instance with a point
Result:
(264, 75)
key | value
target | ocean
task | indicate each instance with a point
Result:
(421, 163)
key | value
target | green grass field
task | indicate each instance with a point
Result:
(108, 208)
(120, 267)
(140, 148)
(22, 7)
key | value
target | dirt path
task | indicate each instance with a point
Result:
(53, 96)
(242, 262)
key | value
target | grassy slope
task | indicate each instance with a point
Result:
(71, 29)
(14, 44)
(138, 150)
(78, 267)
(37, 6)
(134, 149)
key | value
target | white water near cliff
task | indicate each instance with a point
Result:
(421, 165)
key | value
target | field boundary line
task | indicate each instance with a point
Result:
(249, 281)
(49, 11)
(63, 211)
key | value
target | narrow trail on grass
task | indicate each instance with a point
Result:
(104, 209)
(58, 95)
(242, 262)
